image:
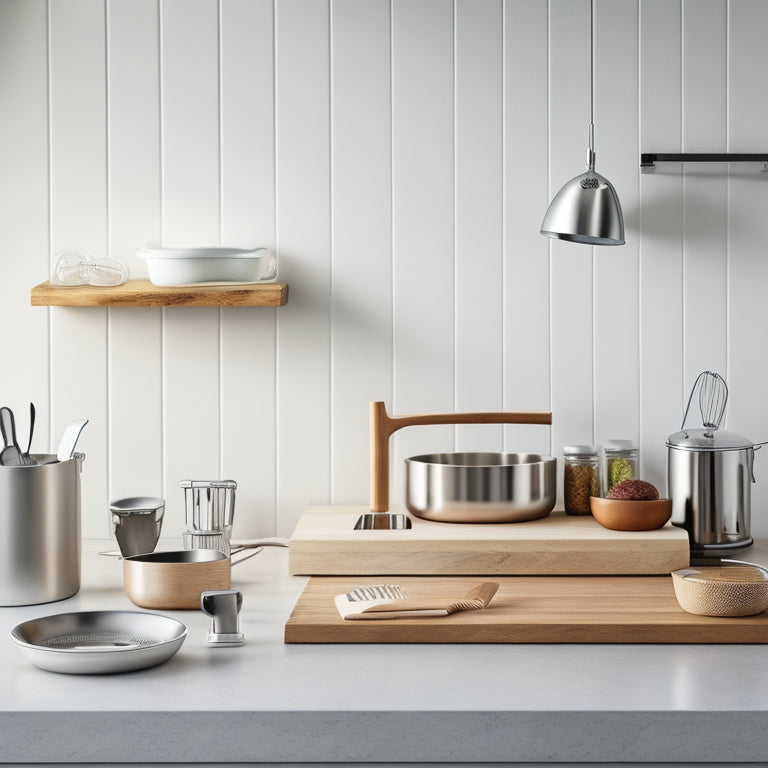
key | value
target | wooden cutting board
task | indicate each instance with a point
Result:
(325, 543)
(526, 609)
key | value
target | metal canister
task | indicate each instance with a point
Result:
(709, 479)
(40, 531)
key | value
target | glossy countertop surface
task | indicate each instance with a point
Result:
(274, 702)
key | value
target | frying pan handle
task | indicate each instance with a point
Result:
(382, 425)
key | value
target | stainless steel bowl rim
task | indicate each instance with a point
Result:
(180, 556)
(181, 632)
(137, 505)
(691, 574)
(453, 459)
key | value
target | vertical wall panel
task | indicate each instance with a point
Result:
(135, 366)
(24, 207)
(571, 284)
(704, 188)
(661, 225)
(190, 183)
(361, 216)
(190, 120)
(747, 235)
(79, 220)
(617, 398)
(303, 239)
(423, 222)
(248, 219)
(479, 195)
(526, 250)
(133, 138)
(135, 363)
(190, 404)
(247, 123)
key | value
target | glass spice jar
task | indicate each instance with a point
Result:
(621, 462)
(581, 477)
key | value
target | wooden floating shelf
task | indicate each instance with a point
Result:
(143, 293)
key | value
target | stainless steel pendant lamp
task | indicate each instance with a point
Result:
(587, 208)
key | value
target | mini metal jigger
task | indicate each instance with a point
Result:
(223, 606)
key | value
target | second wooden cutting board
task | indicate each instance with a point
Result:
(526, 609)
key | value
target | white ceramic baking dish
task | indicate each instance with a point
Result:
(192, 265)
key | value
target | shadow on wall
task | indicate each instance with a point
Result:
(662, 205)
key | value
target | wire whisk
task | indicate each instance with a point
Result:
(713, 397)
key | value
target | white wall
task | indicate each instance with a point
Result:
(398, 155)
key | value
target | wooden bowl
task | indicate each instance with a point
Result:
(728, 591)
(623, 515)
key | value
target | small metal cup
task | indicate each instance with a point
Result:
(136, 522)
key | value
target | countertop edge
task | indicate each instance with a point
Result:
(382, 737)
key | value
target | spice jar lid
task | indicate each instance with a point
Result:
(580, 450)
(621, 445)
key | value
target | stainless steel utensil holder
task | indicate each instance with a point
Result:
(40, 551)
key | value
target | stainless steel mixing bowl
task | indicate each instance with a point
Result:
(480, 487)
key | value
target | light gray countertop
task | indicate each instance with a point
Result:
(267, 701)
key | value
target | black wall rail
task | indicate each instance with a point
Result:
(648, 160)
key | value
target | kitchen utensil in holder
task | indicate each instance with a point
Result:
(713, 397)
(209, 508)
(382, 426)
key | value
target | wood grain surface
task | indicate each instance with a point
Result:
(526, 609)
(324, 543)
(143, 293)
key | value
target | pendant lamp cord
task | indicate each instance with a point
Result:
(591, 147)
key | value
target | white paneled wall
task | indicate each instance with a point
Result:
(398, 156)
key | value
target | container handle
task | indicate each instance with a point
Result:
(254, 547)
(382, 426)
(251, 551)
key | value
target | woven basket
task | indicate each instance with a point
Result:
(730, 591)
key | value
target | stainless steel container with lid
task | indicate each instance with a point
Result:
(710, 475)
(709, 479)
(40, 530)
